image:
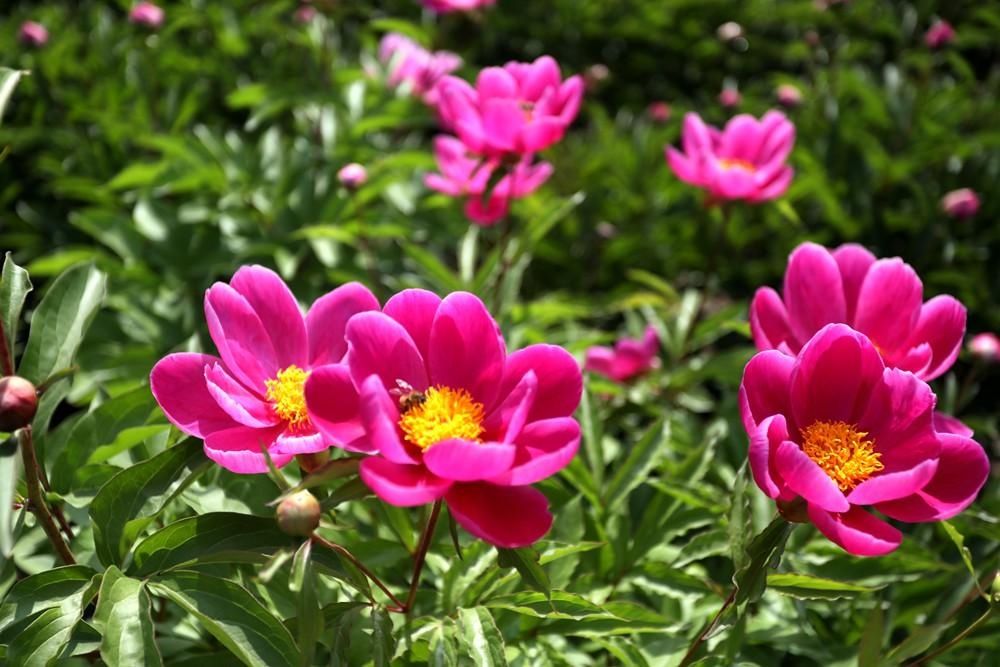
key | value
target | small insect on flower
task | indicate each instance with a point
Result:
(407, 396)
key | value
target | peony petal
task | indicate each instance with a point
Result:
(333, 405)
(464, 461)
(899, 419)
(503, 121)
(539, 134)
(741, 139)
(278, 311)
(685, 169)
(488, 213)
(560, 383)
(327, 319)
(505, 516)
(379, 345)
(834, 376)
(947, 424)
(764, 440)
(505, 421)
(495, 82)
(240, 449)
(853, 260)
(238, 333)
(601, 360)
(856, 532)
(769, 321)
(696, 138)
(814, 293)
(415, 310)
(893, 485)
(299, 443)
(402, 485)
(776, 186)
(380, 417)
(889, 305)
(178, 385)
(466, 348)
(941, 324)
(963, 469)
(543, 448)
(766, 387)
(239, 403)
(803, 476)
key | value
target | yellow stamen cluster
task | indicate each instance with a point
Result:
(288, 398)
(442, 413)
(734, 163)
(842, 451)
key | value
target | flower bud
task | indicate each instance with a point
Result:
(352, 176)
(298, 514)
(305, 14)
(940, 34)
(986, 346)
(962, 203)
(729, 31)
(33, 33)
(659, 112)
(18, 403)
(310, 462)
(788, 95)
(147, 15)
(729, 97)
(595, 75)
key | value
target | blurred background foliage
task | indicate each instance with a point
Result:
(169, 158)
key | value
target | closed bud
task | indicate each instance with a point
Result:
(298, 514)
(352, 176)
(18, 403)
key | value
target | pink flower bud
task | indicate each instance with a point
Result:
(659, 112)
(788, 95)
(18, 403)
(305, 14)
(729, 31)
(940, 34)
(352, 176)
(985, 346)
(962, 203)
(33, 33)
(147, 15)
(298, 514)
(729, 97)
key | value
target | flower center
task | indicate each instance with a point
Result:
(288, 398)
(842, 451)
(440, 413)
(734, 163)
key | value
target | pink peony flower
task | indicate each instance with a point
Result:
(627, 359)
(788, 95)
(252, 397)
(352, 176)
(33, 33)
(447, 6)
(744, 161)
(412, 64)
(659, 112)
(962, 203)
(517, 109)
(882, 299)
(453, 416)
(730, 97)
(837, 429)
(985, 346)
(940, 34)
(466, 175)
(146, 14)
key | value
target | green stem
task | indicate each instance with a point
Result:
(421, 555)
(37, 498)
(332, 546)
(957, 638)
(700, 639)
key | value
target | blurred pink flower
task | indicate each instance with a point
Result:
(985, 346)
(939, 34)
(730, 97)
(352, 176)
(517, 109)
(453, 416)
(305, 14)
(962, 203)
(251, 396)
(746, 160)
(837, 431)
(627, 359)
(882, 299)
(446, 6)
(788, 95)
(146, 14)
(33, 33)
(412, 64)
(464, 174)
(659, 112)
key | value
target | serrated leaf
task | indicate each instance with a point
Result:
(124, 621)
(116, 510)
(60, 322)
(481, 637)
(232, 615)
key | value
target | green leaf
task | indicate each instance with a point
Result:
(525, 561)
(43, 640)
(116, 511)
(383, 645)
(14, 288)
(641, 460)
(763, 552)
(442, 648)
(9, 79)
(440, 275)
(870, 647)
(740, 519)
(481, 637)
(591, 427)
(808, 587)
(232, 615)
(10, 470)
(124, 621)
(65, 588)
(959, 541)
(310, 618)
(60, 322)
(209, 538)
